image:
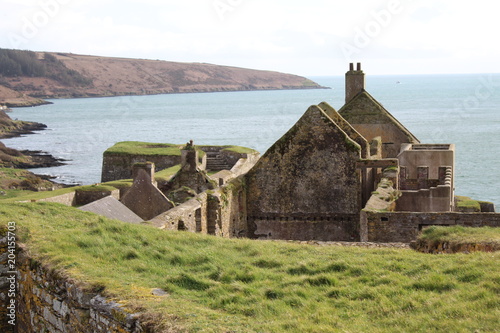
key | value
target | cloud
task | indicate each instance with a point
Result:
(292, 36)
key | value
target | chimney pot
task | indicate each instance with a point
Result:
(351, 66)
(358, 66)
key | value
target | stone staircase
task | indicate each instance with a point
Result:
(215, 162)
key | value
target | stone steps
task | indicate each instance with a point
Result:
(216, 163)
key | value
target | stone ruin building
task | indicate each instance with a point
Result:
(356, 174)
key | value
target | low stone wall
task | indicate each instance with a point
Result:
(446, 247)
(67, 199)
(405, 227)
(368, 245)
(49, 302)
(84, 197)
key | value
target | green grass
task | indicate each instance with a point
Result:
(92, 188)
(238, 285)
(460, 234)
(12, 173)
(148, 148)
(166, 174)
(120, 184)
(30, 195)
(240, 150)
(144, 148)
(467, 204)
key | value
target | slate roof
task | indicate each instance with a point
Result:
(112, 208)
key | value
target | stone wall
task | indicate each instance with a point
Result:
(307, 182)
(186, 216)
(119, 166)
(437, 247)
(46, 301)
(233, 210)
(372, 120)
(67, 199)
(405, 226)
(84, 197)
(434, 199)
(341, 227)
(220, 212)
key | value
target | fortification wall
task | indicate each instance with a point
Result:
(49, 302)
(339, 227)
(405, 226)
(119, 166)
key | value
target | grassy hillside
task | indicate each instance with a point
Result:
(235, 285)
(17, 63)
(66, 75)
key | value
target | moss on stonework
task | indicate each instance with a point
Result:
(143, 148)
(164, 149)
(120, 184)
(466, 204)
(96, 188)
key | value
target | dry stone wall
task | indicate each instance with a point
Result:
(49, 302)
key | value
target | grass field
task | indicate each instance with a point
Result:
(238, 285)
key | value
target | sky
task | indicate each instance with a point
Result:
(308, 38)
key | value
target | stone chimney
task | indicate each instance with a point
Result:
(354, 82)
(148, 167)
(189, 157)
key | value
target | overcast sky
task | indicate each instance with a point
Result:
(309, 38)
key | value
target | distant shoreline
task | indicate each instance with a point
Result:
(45, 102)
(67, 75)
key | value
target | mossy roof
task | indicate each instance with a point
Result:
(365, 109)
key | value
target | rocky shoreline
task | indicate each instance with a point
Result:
(25, 128)
(25, 159)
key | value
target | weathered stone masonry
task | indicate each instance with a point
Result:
(49, 302)
(404, 226)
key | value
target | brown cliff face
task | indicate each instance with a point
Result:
(105, 76)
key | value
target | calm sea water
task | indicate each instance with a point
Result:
(459, 109)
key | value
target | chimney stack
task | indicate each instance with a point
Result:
(354, 82)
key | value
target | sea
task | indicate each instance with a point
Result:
(463, 109)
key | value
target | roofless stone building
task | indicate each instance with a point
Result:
(356, 174)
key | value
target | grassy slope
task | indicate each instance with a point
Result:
(459, 234)
(232, 285)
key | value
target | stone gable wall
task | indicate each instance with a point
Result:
(309, 177)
